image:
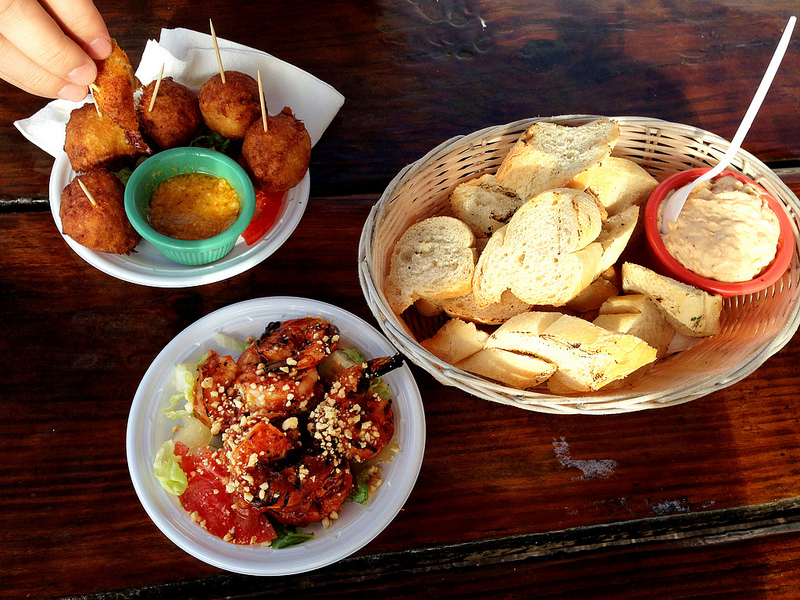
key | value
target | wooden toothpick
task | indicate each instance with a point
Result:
(155, 90)
(88, 194)
(263, 102)
(92, 88)
(216, 49)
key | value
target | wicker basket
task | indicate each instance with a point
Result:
(754, 327)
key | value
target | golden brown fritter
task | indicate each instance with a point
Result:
(113, 89)
(277, 158)
(102, 225)
(229, 108)
(95, 141)
(175, 116)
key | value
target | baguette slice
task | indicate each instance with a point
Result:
(691, 311)
(640, 316)
(519, 371)
(455, 341)
(588, 357)
(593, 297)
(483, 204)
(433, 259)
(617, 183)
(496, 313)
(616, 234)
(549, 155)
(546, 254)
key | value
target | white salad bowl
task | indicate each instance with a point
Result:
(357, 525)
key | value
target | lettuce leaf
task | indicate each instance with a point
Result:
(230, 342)
(288, 535)
(168, 471)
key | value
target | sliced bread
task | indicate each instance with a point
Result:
(455, 341)
(495, 313)
(549, 155)
(433, 259)
(617, 183)
(691, 311)
(520, 371)
(546, 255)
(616, 234)
(588, 357)
(637, 315)
(483, 204)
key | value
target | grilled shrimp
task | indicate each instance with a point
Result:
(253, 445)
(212, 402)
(286, 390)
(299, 343)
(354, 421)
(306, 491)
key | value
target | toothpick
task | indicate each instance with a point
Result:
(216, 49)
(263, 103)
(155, 90)
(88, 194)
(92, 88)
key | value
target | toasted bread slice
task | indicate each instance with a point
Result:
(640, 316)
(433, 259)
(588, 357)
(546, 254)
(617, 183)
(691, 311)
(549, 155)
(495, 313)
(483, 204)
(593, 296)
(519, 371)
(455, 341)
(616, 234)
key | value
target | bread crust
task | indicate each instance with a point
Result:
(433, 259)
(546, 254)
(549, 155)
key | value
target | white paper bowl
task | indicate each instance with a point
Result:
(147, 266)
(356, 526)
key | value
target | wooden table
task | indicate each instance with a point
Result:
(704, 498)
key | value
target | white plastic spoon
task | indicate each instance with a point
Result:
(674, 204)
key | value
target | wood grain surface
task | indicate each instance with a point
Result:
(700, 500)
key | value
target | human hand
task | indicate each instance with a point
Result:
(48, 49)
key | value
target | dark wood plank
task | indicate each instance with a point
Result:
(416, 73)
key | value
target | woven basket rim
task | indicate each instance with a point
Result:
(625, 400)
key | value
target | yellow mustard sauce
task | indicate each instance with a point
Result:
(193, 206)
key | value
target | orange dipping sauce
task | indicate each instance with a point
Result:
(193, 206)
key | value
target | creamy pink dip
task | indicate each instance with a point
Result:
(725, 231)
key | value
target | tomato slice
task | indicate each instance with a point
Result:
(268, 205)
(211, 506)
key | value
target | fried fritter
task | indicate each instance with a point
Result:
(175, 116)
(102, 225)
(277, 158)
(113, 90)
(95, 141)
(229, 108)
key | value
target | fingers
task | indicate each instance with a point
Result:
(83, 23)
(38, 53)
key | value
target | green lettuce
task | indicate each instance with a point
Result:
(168, 471)
(288, 535)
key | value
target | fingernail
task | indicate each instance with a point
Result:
(72, 92)
(101, 48)
(83, 75)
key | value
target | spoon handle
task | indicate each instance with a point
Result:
(675, 203)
